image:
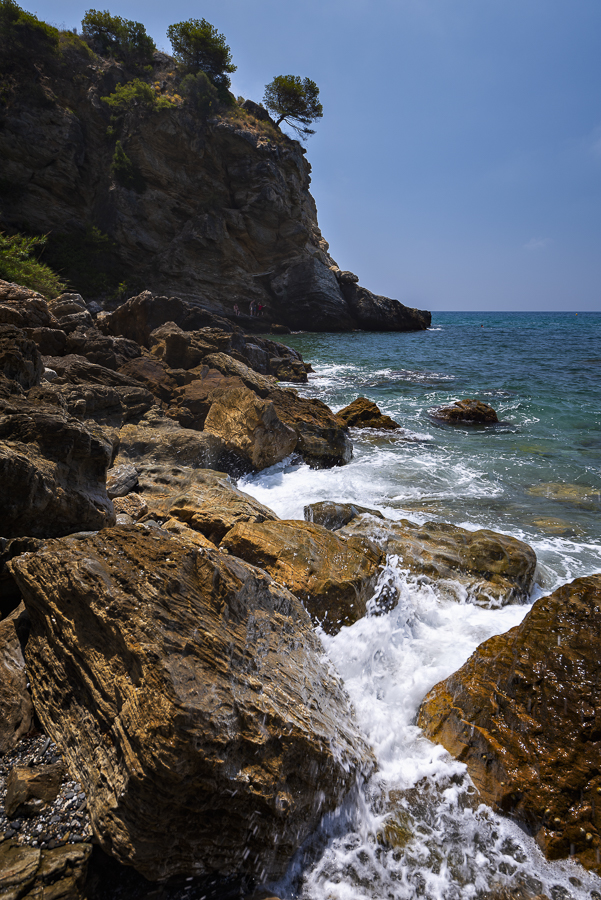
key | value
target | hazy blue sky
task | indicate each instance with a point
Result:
(458, 163)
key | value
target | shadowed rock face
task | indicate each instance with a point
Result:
(524, 714)
(225, 215)
(175, 679)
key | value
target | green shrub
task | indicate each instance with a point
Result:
(136, 93)
(23, 37)
(125, 172)
(113, 36)
(200, 94)
(19, 264)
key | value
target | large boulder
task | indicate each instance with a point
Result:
(333, 577)
(336, 515)
(227, 365)
(33, 874)
(482, 566)
(24, 307)
(322, 440)
(16, 710)
(139, 316)
(250, 428)
(52, 472)
(364, 413)
(373, 312)
(176, 680)
(156, 439)
(523, 714)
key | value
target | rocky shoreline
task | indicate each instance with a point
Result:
(169, 723)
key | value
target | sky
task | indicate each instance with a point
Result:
(458, 161)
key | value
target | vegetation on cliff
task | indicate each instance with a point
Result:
(295, 101)
(18, 263)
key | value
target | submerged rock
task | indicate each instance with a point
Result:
(333, 577)
(176, 679)
(483, 566)
(363, 413)
(523, 713)
(466, 412)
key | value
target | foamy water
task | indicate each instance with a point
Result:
(447, 845)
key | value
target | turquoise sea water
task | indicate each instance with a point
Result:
(537, 476)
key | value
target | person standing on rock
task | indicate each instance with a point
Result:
(252, 309)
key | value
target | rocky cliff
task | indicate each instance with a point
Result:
(217, 210)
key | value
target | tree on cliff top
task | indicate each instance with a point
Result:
(198, 45)
(113, 36)
(24, 35)
(295, 101)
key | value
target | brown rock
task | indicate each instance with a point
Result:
(157, 439)
(154, 374)
(175, 680)
(363, 413)
(181, 349)
(133, 505)
(52, 472)
(287, 369)
(40, 783)
(466, 411)
(336, 515)
(227, 365)
(523, 714)
(191, 403)
(120, 480)
(57, 874)
(250, 428)
(204, 500)
(20, 359)
(16, 710)
(24, 308)
(322, 441)
(485, 567)
(334, 578)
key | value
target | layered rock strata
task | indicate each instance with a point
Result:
(174, 680)
(523, 714)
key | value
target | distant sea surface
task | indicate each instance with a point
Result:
(536, 476)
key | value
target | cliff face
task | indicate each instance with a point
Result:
(221, 213)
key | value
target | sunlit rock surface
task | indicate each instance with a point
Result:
(524, 714)
(175, 680)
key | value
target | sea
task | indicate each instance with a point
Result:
(417, 828)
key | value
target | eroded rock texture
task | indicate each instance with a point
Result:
(174, 680)
(524, 714)
(482, 566)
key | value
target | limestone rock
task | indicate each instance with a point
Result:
(483, 566)
(523, 713)
(363, 413)
(336, 515)
(466, 411)
(322, 441)
(16, 710)
(334, 578)
(204, 500)
(250, 428)
(175, 679)
(39, 783)
(133, 505)
(52, 472)
(20, 359)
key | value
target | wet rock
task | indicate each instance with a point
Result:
(333, 577)
(363, 413)
(157, 439)
(482, 566)
(523, 714)
(466, 411)
(580, 495)
(120, 480)
(177, 679)
(336, 515)
(204, 500)
(291, 370)
(250, 428)
(52, 472)
(322, 441)
(20, 358)
(23, 785)
(16, 710)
